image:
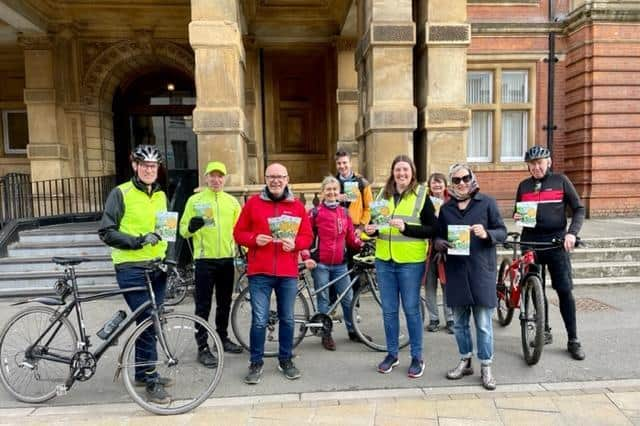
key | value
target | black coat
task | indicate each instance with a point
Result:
(471, 280)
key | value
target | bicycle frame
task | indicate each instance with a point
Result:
(83, 341)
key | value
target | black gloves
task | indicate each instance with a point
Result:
(150, 238)
(195, 223)
(441, 245)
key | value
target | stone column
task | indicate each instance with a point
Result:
(46, 152)
(347, 99)
(443, 118)
(384, 60)
(219, 119)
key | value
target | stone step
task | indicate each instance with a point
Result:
(608, 281)
(61, 237)
(597, 254)
(50, 249)
(604, 242)
(605, 269)
(33, 264)
(46, 279)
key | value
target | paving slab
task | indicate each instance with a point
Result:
(626, 400)
(590, 410)
(530, 418)
(407, 408)
(471, 409)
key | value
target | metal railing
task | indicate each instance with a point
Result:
(21, 198)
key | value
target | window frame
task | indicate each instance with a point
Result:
(5, 131)
(497, 107)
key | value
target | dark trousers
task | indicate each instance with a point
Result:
(128, 277)
(212, 273)
(559, 265)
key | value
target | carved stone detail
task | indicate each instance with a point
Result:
(107, 60)
(219, 120)
(39, 96)
(344, 43)
(36, 41)
(448, 34)
(393, 33)
(447, 116)
(347, 96)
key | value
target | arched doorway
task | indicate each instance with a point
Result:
(155, 107)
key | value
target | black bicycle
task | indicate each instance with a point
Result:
(366, 309)
(43, 354)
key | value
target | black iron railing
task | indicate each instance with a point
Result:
(21, 198)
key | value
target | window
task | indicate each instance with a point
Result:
(501, 107)
(15, 131)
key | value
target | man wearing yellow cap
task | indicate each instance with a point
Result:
(209, 218)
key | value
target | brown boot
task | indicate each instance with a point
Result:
(328, 343)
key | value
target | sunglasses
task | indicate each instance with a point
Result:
(465, 179)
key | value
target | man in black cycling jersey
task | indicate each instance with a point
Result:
(553, 193)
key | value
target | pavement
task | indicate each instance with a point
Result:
(343, 387)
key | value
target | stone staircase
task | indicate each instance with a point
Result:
(28, 268)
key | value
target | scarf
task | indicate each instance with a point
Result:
(473, 185)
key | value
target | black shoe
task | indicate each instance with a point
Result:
(255, 374)
(156, 393)
(206, 358)
(231, 347)
(353, 336)
(289, 369)
(450, 327)
(433, 326)
(575, 349)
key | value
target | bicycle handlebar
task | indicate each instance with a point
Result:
(555, 242)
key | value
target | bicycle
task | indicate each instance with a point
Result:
(520, 285)
(366, 310)
(42, 355)
(181, 281)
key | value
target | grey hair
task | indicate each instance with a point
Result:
(459, 166)
(327, 180)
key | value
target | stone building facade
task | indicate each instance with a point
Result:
(250, 82)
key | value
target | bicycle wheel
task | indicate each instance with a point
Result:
(191, 382)
(241, 283)
(176, 288)
(367, 317)
(532, 322)
(241, 321)
(25, 376)
(504, 287)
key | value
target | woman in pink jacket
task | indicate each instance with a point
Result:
(333, 233)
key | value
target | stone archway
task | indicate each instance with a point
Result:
(117, 63)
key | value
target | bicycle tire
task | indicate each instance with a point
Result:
(532, 316)
(193, 383)
(31, 385)
(366, 310)
(176, 290)
(241, 321)
(505, 281)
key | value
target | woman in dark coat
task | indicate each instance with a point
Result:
(471, 279)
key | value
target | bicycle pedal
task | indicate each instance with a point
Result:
(61, 390)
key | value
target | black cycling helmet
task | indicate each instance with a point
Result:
(147, 153)
(536, 152)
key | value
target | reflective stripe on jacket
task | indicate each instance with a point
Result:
(212, 241)
(139, 218)
(392, 244)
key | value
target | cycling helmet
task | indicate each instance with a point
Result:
(536, 152)
(147, 153)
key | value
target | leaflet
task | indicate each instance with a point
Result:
(528, 210)
(351, 191)
(205, 210)
(437, 203)
(459, 237)
(167, 225)
(380, 214)
(284, 226)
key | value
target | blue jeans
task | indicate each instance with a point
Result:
(322, 274)
(484, 331)
(260, 287)
(128, 277)
(401, 281)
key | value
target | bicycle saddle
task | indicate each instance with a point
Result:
(68, 260)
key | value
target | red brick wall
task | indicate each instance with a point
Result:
(602, 117)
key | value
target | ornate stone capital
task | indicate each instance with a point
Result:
(345, 43)
(37, 151)
(447, 34)
(35, 41)
(385, 34)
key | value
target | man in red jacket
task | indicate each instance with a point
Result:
(272, 265)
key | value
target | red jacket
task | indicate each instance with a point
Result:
(333, 230)
(270, 259)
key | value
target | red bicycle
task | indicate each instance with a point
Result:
(520, 285)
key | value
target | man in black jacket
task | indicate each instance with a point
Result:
(553, 193)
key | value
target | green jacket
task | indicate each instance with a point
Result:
(129, 214)
(215, 239)
(402, 248)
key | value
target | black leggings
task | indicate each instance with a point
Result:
(559, 265)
